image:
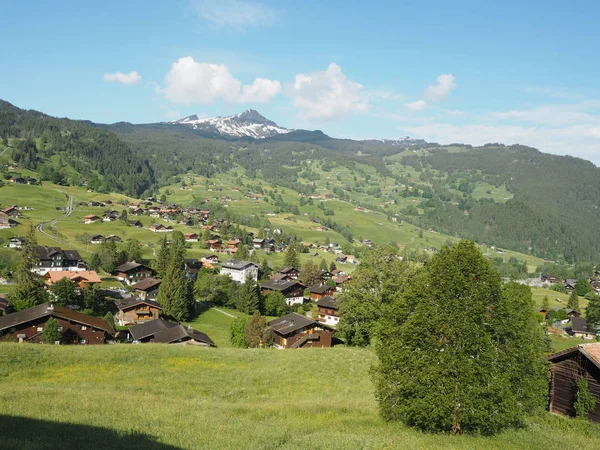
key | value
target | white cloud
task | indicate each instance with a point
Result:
(439, 91)
(419, 105)
(261, 91)
(125, 78)
(327, 95)
(190, 81)
(235, 14)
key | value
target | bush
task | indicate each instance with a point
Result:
(585, 402)
(237, 332)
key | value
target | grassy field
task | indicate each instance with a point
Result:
(556, 299)
(166, 397)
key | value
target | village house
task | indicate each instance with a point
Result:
(240, 270)
(328, 310)
(28, 325)
(296, 331)
(292, 290)
(566, 368)
(290, 272)
(113, 238)
(97, 239)
(258, 243)
(54, 258)
(4, 221)
(97, 204)
(91, 219)
(191, 237)
(12, 211)
(319, 291)
(161, 331)
(109, 218)
(132, 272)
(81, 278)
(212, 259)
(16, 242)
(134, 310)
(578, 328)
(280, 277)
(233, 244)
(147, 288)
(136, 212)
(214, 244)
(136, 223)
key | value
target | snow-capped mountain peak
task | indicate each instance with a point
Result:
(248, 123)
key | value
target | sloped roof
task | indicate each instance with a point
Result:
(46, 309)
(328, 302)
(128, 266)
(236, 264)
(130, 302)
(146, 283)
(290, 323)
(180, 332)
(88, 275)
(579, 324)
(150, 328)
(279, 285)
(319, 288)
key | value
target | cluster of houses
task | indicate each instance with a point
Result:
(8, 216)
(569, 284)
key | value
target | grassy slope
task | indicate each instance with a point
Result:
(188, 397)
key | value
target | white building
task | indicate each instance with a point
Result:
(239, 270)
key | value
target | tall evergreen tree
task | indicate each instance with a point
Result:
(265, 269)
(291, 258)
(64, 292)
(242, 252)
(248, 297)
(175, 294)
(573, 302)
(29, 290)
(592, 312)
(323, 265)
(162, 258)
(310, 274)
(545, 303)
(458, 352)
(258, 333)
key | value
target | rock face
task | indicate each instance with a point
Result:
(249, 123)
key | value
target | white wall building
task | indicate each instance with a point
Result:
(240, 270)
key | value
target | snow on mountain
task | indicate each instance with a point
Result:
(249, 123)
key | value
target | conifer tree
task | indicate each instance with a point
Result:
(162, 259)
(175, 293)
(573, 302)
(64, 292)
(323, 265)
(592, 312)
(242, 252)
(545, 303)
(291, 258)
(265, 269)
(458, 352)
(248, 297)
(258, 333)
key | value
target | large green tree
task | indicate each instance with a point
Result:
(248, 298)
(310, 274)
(65, 292)
(376, 282)
(258, 333)
(291, 258)
(162, 258)
(275, 304)
(176, 294)
(51, 333)
(573, 302)
(458, 352)
(583, 286)
(592, 313)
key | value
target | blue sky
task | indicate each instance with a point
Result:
(470, 71)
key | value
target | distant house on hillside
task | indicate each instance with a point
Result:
(240, 270)
(28, 325)
(191, 237)
(292, 290)
(566, 368)
(135, 310)
(4, 221)
(161, 331)
(328, 310)
(319, 291)
(147, 288)
(81, 278)
(132, 272)
(97, 239)
(54, 258)
(91, 219)
(16, 242)
(296, 331)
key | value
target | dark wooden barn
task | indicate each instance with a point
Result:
(567, 367)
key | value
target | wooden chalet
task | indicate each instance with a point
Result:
(328, 310)
(91, 219)
(214, 244)
(12, 211)
(161, 331)
(132, 272)
(319, 291)
(578, 328)
(80, 278)
(566, 368)
(291, 272)
(134, 310)
(147, 288)
(136, 223)
(16, 242)
(233, 244)
(97, 239)
(296, 331)
(292, 290)
(55, 258)
(28, 325)
(191, 237)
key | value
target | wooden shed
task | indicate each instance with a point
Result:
(567, 367)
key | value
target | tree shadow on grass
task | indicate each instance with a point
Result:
(37, 434)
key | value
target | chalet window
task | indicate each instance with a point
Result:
(83, 328)
(40, 328)
(83, 341)
(13, 329)
(60, 328)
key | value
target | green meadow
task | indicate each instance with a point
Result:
(167, 397)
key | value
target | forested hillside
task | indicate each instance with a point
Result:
(100, 157)
(513, 197)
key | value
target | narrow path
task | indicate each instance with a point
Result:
(40, 227)
(225, 312)
(4, 151)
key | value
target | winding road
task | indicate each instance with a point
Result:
(67, 213)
